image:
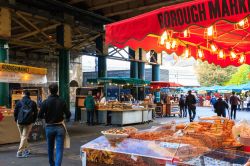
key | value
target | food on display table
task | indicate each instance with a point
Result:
(241, 132)
(117, 133)
(214, 134)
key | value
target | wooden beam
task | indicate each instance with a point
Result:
(105, 5)
(143, 8)
(22, 36)
(31, 24)
(79, 45)
(26, 43)
(21, 24)
(75, 1)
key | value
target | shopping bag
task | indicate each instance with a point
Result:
(67, 138)
(67, 141)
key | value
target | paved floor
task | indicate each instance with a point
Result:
(81, 134)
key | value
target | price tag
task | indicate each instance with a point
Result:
(134, 157)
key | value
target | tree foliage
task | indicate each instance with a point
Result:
(241, 76)
(210, 74)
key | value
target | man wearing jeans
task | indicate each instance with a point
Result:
(191, 104)
(52, 110)
(24, 121)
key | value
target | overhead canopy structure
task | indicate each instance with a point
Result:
(161, 84)
(118, 81)
(10, 73)
(216, 31)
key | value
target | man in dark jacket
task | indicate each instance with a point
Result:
(220, 107)
(191, 104)
(25, 115)
(183, 112)
(89, 104)
(234, 100)
(52, 110)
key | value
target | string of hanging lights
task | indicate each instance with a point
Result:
(210, 34)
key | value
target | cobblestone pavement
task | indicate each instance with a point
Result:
(81, 134)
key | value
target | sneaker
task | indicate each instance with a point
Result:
(21, 155)
(27, 152)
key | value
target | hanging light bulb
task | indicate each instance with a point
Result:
(233, 55)
(221, 54)
(185, 33)
(242, 59)
(243, 24)
(186, 52)
(164, 37)
(210, 31)
(200, 53)
(174, 43)
(213, 47)
(168, 45)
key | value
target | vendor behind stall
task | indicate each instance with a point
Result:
(89, 103)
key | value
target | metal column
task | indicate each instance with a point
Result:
(133, 65)
(156, 77)
(141, 66)
(133, 72)
(4, 87)
(64, 58)
(102, 60)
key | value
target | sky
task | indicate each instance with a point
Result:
(180, 70)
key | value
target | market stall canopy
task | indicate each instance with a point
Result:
(161, 84)
(118, 81)
(216, 31)
(11, 73)
(246, 86)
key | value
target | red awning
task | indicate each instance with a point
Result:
(161, 84)
(230, 31)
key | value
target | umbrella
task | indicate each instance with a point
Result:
(161, 84)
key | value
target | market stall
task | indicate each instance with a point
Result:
(207, 142)
(121, 113)
(11, 73)
(167, 107)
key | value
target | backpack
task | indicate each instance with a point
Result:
(25, 114)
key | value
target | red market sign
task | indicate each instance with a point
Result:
(226, 20)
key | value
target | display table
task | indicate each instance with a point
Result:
(8, 131)
(102, 151)
(121, 117)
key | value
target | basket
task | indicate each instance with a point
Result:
(114, 136)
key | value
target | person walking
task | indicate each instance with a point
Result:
(89, 104)
(53, 110)
(213, 100)
(182, 107)
(191, 104)
(234, 101)
(220, 107)
(25, 114)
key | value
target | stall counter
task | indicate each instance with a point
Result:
(121, 117)
(8, 131)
